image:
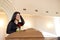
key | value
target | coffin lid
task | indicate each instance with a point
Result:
(27, 33)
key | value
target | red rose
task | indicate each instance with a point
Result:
(19, 25)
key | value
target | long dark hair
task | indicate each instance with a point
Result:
(14, 16)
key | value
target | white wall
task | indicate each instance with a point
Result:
(44, 24)
(57, 25)
(3, 25)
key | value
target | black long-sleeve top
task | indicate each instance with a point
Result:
(12, 26)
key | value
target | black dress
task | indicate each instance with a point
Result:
(12, 26)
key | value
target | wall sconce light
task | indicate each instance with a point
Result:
(49, 25)
(1, 22)
(27, 25)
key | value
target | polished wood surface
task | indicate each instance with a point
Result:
(29, 34)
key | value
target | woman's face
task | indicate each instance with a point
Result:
(18, 17)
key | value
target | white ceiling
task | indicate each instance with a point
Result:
(52, 6)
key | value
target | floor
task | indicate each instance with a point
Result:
(51, 38)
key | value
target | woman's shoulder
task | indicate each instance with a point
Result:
(11, 22)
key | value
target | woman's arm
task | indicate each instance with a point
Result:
(9, 27)
(22, 21)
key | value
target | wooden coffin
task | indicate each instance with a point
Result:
(29, 34)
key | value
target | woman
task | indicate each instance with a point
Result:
(14, 23)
